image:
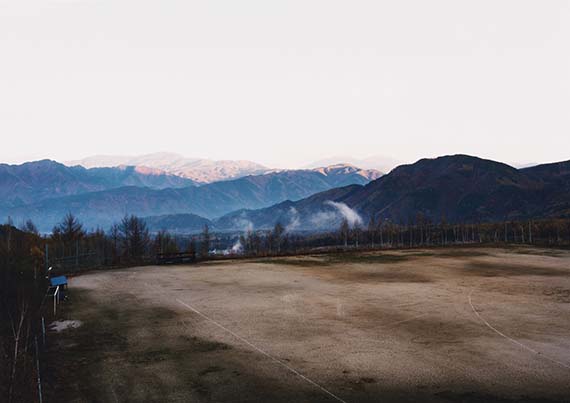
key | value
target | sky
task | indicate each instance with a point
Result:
(285, 83)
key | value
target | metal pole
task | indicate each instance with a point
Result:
(38, 370)
(55, 297)
(43, 331)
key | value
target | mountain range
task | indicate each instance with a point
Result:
(45, 191)
(456, 188)
(35, 181)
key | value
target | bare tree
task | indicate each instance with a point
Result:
(372, 231)
(276, 235)
(205, 242)
(344, 231)
(135, 237)
(192, 248)
(164, 242)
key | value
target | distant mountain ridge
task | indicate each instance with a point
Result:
(199, 170)
(376, 162)
(35, 181)
(101, 196)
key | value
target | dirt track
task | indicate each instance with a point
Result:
(467, 325)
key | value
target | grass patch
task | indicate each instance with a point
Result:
(337, 258)
(383, 258)
(204, 346)
(451, 253)
(293, 261)
(462, 253)
(150, 356)
(487, 269)
(539, 252)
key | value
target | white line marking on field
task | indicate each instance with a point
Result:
(294, 371)
(518, 343)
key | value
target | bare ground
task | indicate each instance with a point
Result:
(469, 325)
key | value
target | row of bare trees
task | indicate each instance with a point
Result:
(128, 242)
(423, 233)
(552, 232)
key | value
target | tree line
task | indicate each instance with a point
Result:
(126, 243)
(420, 232)
(129, 242)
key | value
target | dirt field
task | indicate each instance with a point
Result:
(469, 325)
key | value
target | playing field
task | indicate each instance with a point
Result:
(438, 325)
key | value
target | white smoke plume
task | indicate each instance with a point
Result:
(351, 216)
(323, 219)
(294, 222)
(237, 248)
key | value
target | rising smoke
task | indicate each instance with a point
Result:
(237, 247)
(351, 215)
(294, 222)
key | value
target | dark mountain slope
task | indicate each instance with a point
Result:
(555, 178)
(459, 188)
(311, 213)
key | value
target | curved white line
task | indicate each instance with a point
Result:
(294, 371)
(518, 343)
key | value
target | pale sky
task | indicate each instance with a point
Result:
(285, 82)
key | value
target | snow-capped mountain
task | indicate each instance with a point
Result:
(198, 170)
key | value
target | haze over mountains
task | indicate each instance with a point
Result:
(44, 191)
